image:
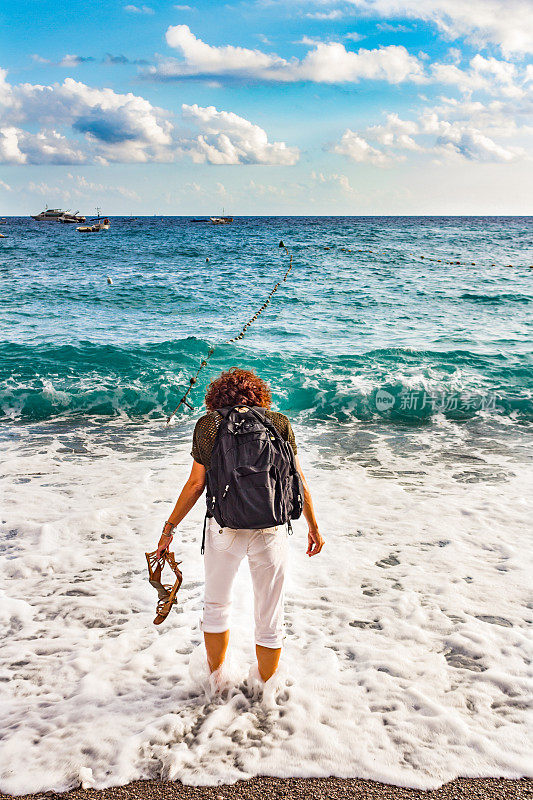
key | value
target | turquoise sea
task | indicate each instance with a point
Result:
(400, 348)
(435, 305)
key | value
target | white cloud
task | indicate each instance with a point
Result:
(85, 187)
(326, 63)
(474, 146)
(332, 63)
(354, 36)
(79, 124)
(139, 9)
(10, 151)
(226, 138)
(102, 124)
(506, 23)
(396, 133)
(485, 74)
(77, 187)
(201, 58)
(264, 190)
(459, 130)
(335, 13)
(386, 27)
(356, 148)
(70, 60)
(5, 186)
(334, 179)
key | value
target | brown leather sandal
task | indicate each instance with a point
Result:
(166, 594)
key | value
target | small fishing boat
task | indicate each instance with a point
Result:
(96, 228)
(97, 225)
(221, 220)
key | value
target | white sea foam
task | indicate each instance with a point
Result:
(407, 655)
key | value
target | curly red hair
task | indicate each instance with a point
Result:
(237, 386)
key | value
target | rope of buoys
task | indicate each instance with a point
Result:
(241, 335)
(425, 258)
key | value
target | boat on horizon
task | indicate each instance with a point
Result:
(57, 215)
(72, 218)
(222, 220)
(95, 227)
(48, 215)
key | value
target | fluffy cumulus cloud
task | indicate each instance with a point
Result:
(506, 23)
(483, 74)
(79, 124)
(465, 130)
(226, 138)
(356, 148)
(327, 62)
(332, 63)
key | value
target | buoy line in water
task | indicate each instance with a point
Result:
(241, 335)
(411, 255)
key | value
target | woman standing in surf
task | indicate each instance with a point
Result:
(266, 548)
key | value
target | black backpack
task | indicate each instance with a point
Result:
(252, 481)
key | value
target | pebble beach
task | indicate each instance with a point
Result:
(302, 789)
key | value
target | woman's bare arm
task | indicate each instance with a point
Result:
(192, 490)
(315, 540)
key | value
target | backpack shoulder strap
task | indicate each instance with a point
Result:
(223, 413)
(260, 414)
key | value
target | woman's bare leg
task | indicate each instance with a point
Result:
(267, 660)
(216, 645)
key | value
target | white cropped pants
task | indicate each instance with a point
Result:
(267, 551)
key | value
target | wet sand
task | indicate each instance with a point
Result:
(319, 788)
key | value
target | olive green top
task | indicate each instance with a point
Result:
(206, 428)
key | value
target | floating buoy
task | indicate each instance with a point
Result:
(207, 261)
(281, 244)
(109, 280)
(473, 263)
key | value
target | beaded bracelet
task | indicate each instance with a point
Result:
(172, 528)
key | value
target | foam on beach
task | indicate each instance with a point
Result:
(407, 656)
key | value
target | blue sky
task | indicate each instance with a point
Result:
(267, 107)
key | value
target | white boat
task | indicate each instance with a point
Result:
(71, 218)
(221, 220)
(96, 227)
(49, 215)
